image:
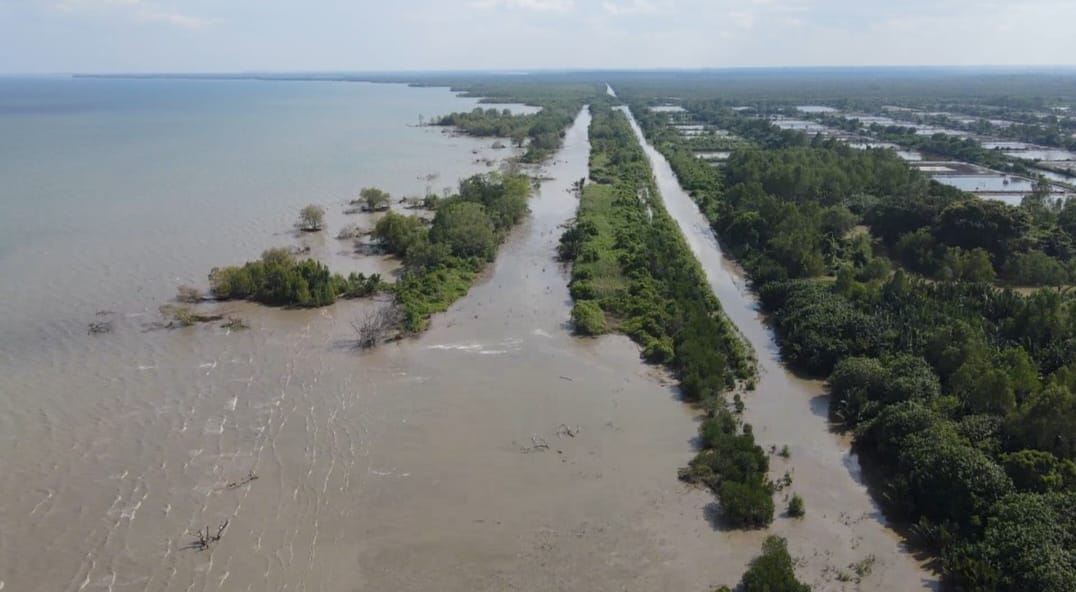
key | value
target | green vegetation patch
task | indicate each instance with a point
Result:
(441, 262)
(279, 279)
(633, 272)
(772, 571)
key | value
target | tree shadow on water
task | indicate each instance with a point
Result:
(716, 519)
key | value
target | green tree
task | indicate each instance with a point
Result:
(311, 218)
(1039, 472)
(773, 571)
(588, 318)
(746, 504)
(1036, 269)
(982, 223)
(1066, 220)
(977, 267)
(374, 199)
(1029, 544)
(466, 229)
(796, 508)
(1047, 421)
(399, 234)
(950, 481)
(856, 382)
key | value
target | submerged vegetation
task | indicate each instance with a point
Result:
(772, 571)
(541, 133)
(279, 279)
(632, 272)
(311, 218)
(440, 261)
(961, 391)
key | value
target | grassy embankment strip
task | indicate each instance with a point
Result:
(633, 273)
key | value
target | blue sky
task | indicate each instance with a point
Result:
(45, 36)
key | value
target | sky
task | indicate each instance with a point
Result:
(103, 36)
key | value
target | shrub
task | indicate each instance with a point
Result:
(773, 570)
(278, 280)
(351, 231)
(746, 504)
(588, 318)
(466, 228)
(373, 199)
(398, 234)
(311, 218)
(188, 294)
(796, 508)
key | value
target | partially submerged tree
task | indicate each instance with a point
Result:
(773, 570)
(373, 199)
(376, 325)
(188, 294)
(796, 508)
(311, 218)
(351, 231)
(182, 316)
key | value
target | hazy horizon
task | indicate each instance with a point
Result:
(244, 36)
(891, 68)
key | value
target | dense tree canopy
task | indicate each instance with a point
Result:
(962, 391)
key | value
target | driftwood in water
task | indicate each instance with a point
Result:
(251, 476)
(538, 444)
(100, 327)
(205, 539)
(235, 324)
(564, 430)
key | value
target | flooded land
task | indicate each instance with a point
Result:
(494, 452)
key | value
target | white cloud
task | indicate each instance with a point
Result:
(629, 8)
(139, 10)
(535, 5)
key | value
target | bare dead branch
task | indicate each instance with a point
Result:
(375, 325)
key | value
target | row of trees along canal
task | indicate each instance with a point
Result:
(441, 258)
(963, 393)
(633, 273)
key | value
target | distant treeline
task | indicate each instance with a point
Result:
(541, 132)
(963, 393)
(852, 88)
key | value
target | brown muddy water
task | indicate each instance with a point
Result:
(844, 528)
(421, 465)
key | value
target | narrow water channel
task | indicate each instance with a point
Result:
(844, 527)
